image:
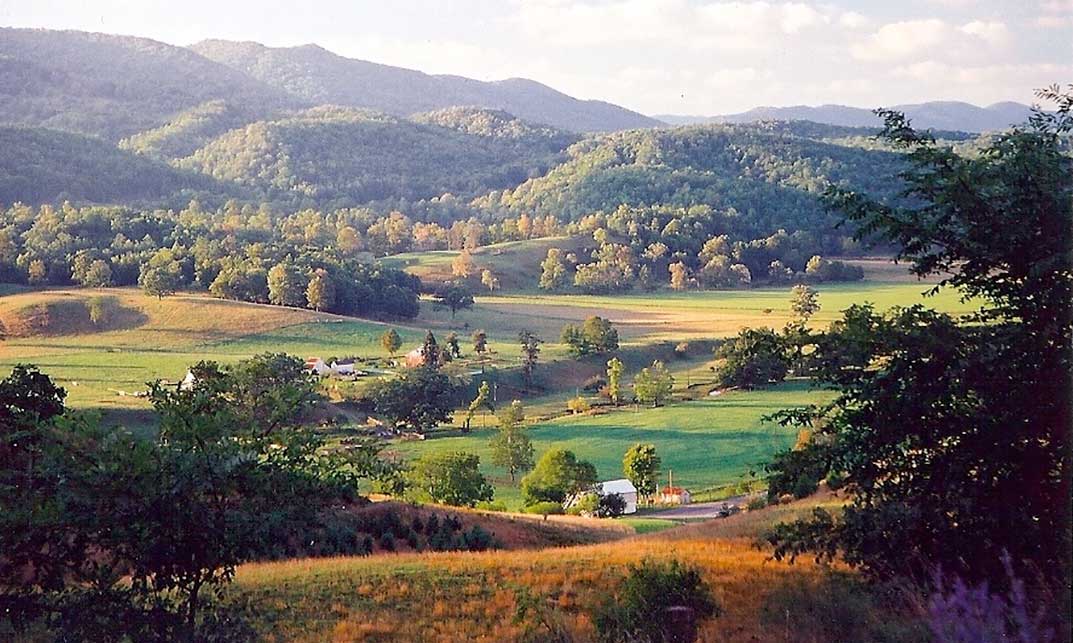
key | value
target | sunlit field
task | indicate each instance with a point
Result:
(153, 338)
(473, 597)
(706, 443)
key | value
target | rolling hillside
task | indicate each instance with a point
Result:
(358, 156)
(474, 596)
(41, 165)
(768, 173)
(189, 130)
(112, 86)
(316, 75)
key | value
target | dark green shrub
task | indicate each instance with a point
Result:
(478, 539)
(797, 472)
(611, 506)
(637, 614)
(387, 541)
(544, 508)
(432, 525)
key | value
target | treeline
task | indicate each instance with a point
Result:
(304, 259)
(696, 247)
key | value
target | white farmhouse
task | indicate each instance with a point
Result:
(317, 365)
(622, 487)
(343, 367)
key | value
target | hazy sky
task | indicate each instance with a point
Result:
(655, 56)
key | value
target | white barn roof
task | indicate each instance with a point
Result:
(621, 486)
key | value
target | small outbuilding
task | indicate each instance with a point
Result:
(674, 496)
(622, 487)
(415, 358)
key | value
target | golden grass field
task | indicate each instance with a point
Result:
(473, 596)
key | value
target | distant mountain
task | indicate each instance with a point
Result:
(943, 115)
(318, 76)
(114, 86)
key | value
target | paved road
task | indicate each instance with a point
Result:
(699, 510)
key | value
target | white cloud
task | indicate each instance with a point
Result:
(992, 31)
(902, 39)
(853, 20)
(1054, 22)
(719, 25)
(918, 39)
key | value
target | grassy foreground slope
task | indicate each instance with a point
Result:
(467, 596)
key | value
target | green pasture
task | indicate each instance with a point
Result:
(705, 443)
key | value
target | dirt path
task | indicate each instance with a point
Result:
(700, 510)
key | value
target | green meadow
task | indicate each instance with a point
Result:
(705, 443)
(171, 334)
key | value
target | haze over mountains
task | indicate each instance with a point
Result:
(943, 115)
(116, 86)
(115, 119)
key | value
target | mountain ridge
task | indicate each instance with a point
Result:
(943, 115)
(312, 73)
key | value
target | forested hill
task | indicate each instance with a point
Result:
(318, 76)
(114, 86)
(352, 157)
(770, 174)
(39, 165)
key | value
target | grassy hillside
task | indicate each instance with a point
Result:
(142, 338)
(675, 316)
(515, 263)
(112, 86)
(455, 597)
(319, 76)
(707, 443)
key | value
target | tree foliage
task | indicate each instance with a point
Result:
(557, 474)
(595, 335)
(451, 478)
(511, 447)
(641, 466)
(418, 400)
(955, 436)
(86, 545)
(653, 385)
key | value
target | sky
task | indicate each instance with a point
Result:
(701, 57)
